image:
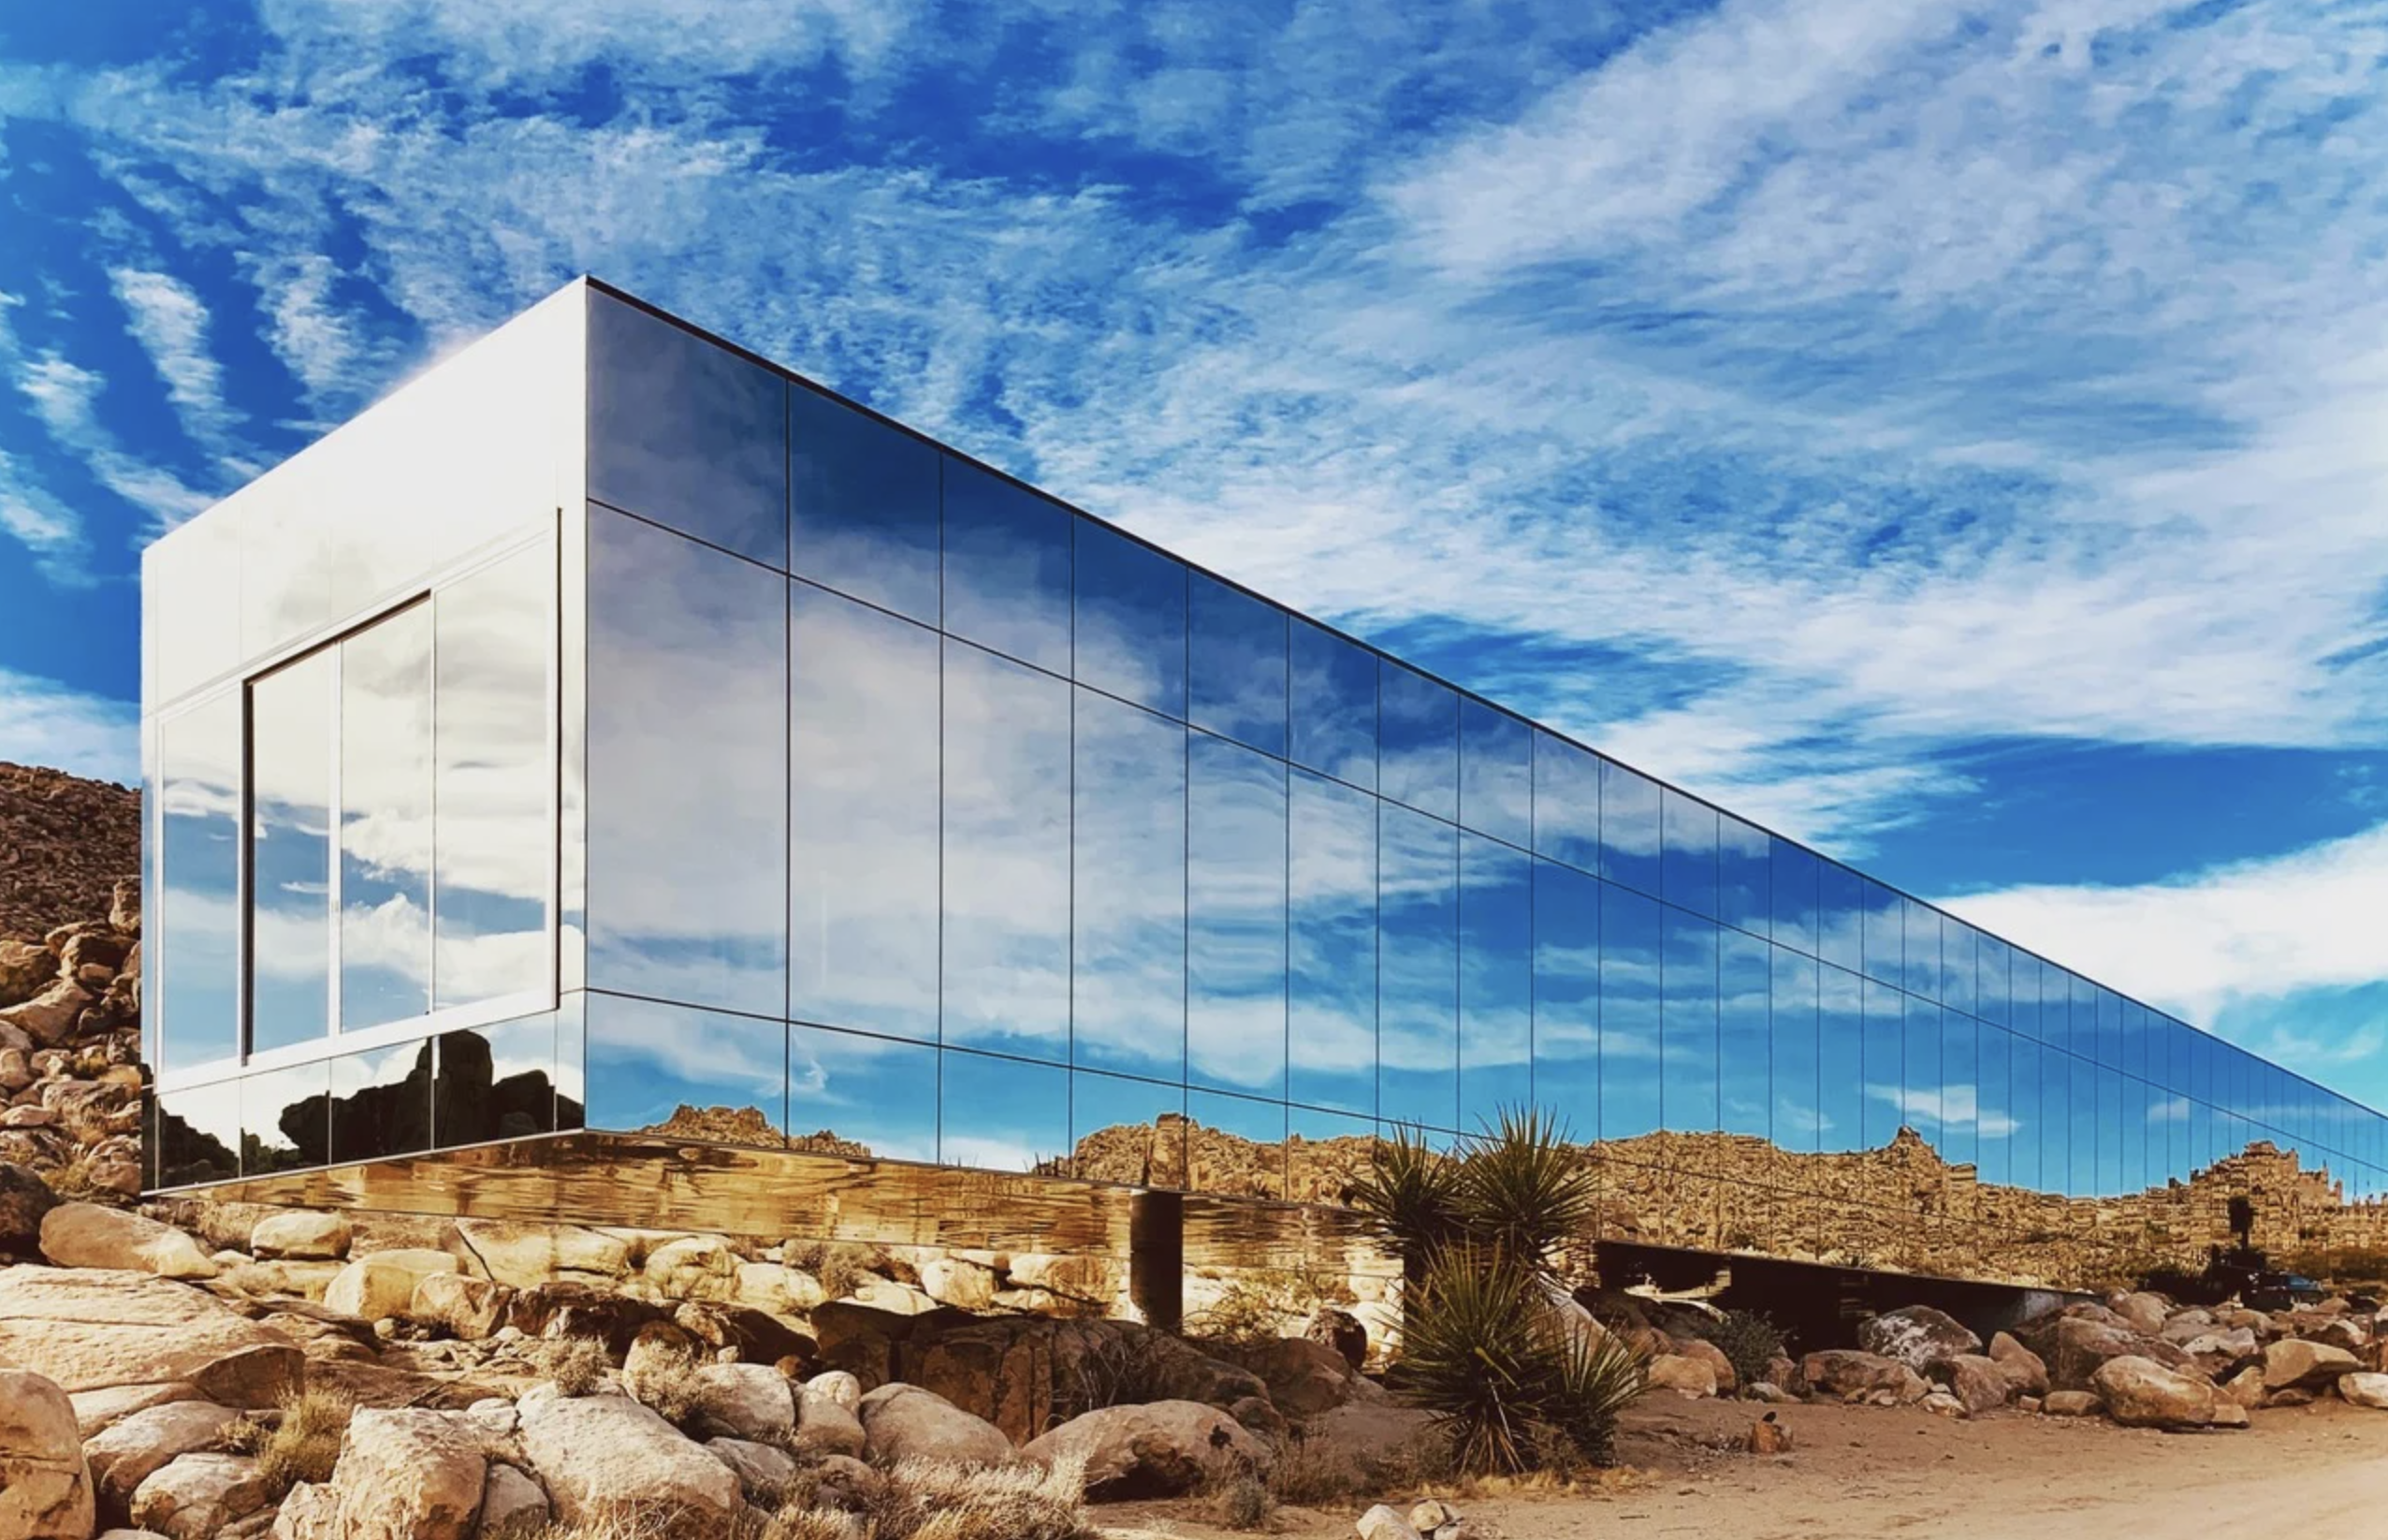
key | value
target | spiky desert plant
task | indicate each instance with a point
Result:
(1412, 1193)
(1598, 1373)
(1523, 1187)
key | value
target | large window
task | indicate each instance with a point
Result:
(400, 836)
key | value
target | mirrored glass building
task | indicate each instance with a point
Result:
(616, 778)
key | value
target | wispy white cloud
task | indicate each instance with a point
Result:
(44, 722)
(167, 318)
(63, 397)
(2196, 945)
(44, 526)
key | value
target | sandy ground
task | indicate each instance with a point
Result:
(2318, 1472)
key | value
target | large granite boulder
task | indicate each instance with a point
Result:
(95, 1330)
(90, 1235)
(2146, 1313)
(827, 1425)
(199, 1496)
(2142, 1393)
(906, 1422)
(470, 1308)
(131, 1451)
(1689, 1377)
(582, 1311)
(1979, 1384)
(1022, 1373)
(300, 1235)
(2294, 1364)
(1917, 1336)
(383, 1283)
(2364, 1389)
(1160, 1449)
(524, 1256)
(1848, 1375)
(513, 1506)
(748, 1401)
(45, 1487)
(2022, 1367)
(1308, 1378)
(2073, 1344)
(24, 1199)
(604, 1457)
(407, 1474)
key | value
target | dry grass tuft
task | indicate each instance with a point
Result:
(839, 1266)
(931, 1500)
(302, 1443)
(576, 1365)
(664, 1381)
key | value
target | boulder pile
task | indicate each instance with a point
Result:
(70, 1060)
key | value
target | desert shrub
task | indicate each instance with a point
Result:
(931, 1500)
(840, 1266)
(577, 1365)
(1244, 1316)
(1511, 1385)
(1236, 1498)
(665, 1382)
(302, 1443)
(1411, 1193)
(1309, 1473)
(1113, 1366)
(1750, 1339)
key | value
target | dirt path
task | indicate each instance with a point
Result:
(2314, 1474)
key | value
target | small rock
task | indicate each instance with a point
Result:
(1382, 1523)
(599, 1454)
(2019, 1364)
(513, 1506)
(300, 1235)
(2229, 1413)
(1430, 1514)
(129, 1452)
(199, 1495)
(2364, 1389)
(24, 1199)
(835, 1384)
(407, 1474)
(2292, 1397)
(1941, 1405)
(1767, 1391)
(2069, 1403)
(1770, 1435)
(827, 1427)
(44, 1487)
(2144, 1312)
(1687, 1377)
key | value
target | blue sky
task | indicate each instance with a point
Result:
(1950, 434)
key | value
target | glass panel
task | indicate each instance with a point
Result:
(1797, 1122)
(2056, 1120)
(688, 772)
(1744, 967)
(1236, 664)
(1688, 1097)
(692, 1074)
(1793, 873)
(1235, 929)
(2082, 1166)
(1001, 1114)
(1130, 637)
(1236, 1146)
(194, 953)
(1496, 980)
(497, 1083)
(1006, 567)
(1128, 995)
(1334, 728)
(493, 780)
(687, 433)
(1322, 1150)
(2108, 1007)
(1885, 1062)
(1922, 1109)
(385, 820)
(1006, 954)
(2024, 1111)
(1418, 756)
(1632, 936)
(847, 1091)
(572, 1062)
(290, 725)
(1991, 961)
(1129, 1131)
(1417, 952)
(2113, 1132)
(1841, 905)
(863, 503)
(1331, 957)
(862, 818)
(1994, 1111)
(1840, 1080)
(1566, 995)
(381, 1103)
(1886, 919)
(285, 1119)
(1567, 802)
(199, 1135)
(1920, 969)
(1496, 773)
(1742, 881)
(1960, 1088)
(1690, 871)
(1957, 969)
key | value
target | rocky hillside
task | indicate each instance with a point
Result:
(64, 843)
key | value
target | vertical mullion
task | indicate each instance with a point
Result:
(335, 833)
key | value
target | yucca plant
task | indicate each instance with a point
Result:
(1523, 1187)
(1413, 1193)
(1512, 1387)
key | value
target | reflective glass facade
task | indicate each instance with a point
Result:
(793, 782)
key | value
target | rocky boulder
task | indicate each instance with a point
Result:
(1917, 1336)
(1689, 1377)
(2146, 1313)
(45, 1487)
(827, 1426)
(135, 1447)
(2074, 1344)
(300, 1236)
(2142, 1393)
(1305, 1378)
(49, 1017)
(905, 1422)
(603, 1456)
(2364, 1389)
(87, 1235)
(383, 1283)
(513, 1506)
(523, 1255)
(2019, 1364)
(1845, 1375)
(1340, 1331)
(1979, 1384)
(95, 1330)
(198, 1496)
(406, 1475)
(582, 1311)
(24, 1199)
(748, 1401)
(2071, 1403)
(469, 1308)
(761, 1468)
(1160, 1449)
(2292, 1363)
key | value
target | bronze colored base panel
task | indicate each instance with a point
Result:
(639, 1180)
